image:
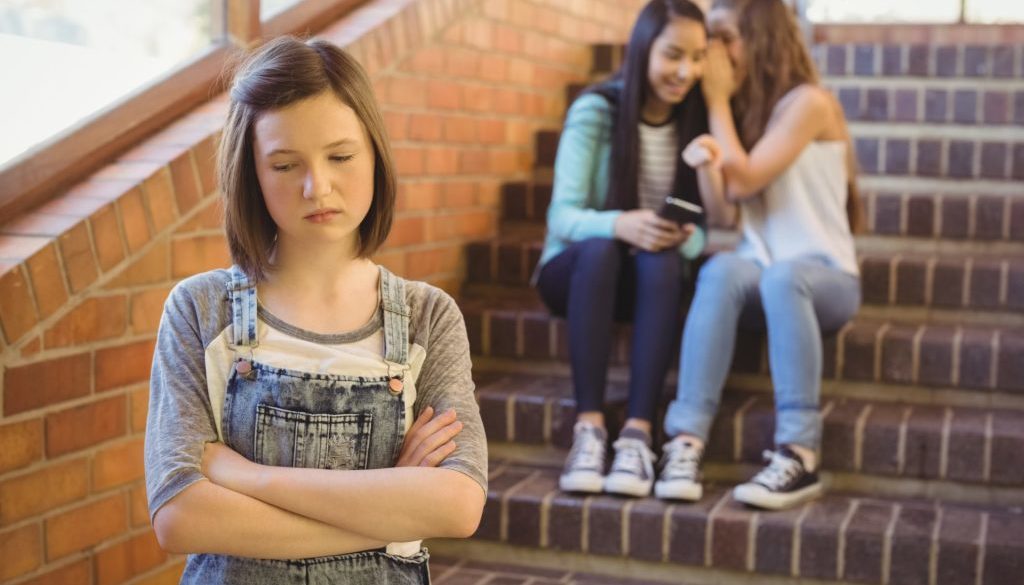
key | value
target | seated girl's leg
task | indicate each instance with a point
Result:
(658, 296)
(726, 285)
(581, 284)
(802, 298)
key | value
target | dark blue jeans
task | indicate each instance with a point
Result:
(596, 282)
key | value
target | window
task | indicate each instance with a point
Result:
(70, 59)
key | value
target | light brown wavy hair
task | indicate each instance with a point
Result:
(777, 60)
(282, 72)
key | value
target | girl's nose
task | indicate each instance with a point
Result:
(317, 184)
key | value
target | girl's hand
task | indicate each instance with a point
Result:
(642, 228)
(429, 441)
(719, 82)
(703, 150)
(225, 467)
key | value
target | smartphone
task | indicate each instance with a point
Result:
(681, 212)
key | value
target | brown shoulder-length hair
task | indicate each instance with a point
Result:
(777, 60)
(281, 72)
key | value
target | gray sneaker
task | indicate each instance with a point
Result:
(632, 470)
(680, 472)
(584, 467)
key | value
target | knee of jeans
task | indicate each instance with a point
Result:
(600, 250)
(723, 273)
(783, 278)
(659, 267)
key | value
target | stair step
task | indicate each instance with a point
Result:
(965, 357)
(981, 283)
(465, 570)
(836, 538)
(942, 61)
(977, 446)
(987, 218)
(994, 103)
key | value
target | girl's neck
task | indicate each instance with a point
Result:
(320, 271)
(655, 112)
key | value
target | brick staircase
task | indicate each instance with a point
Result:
(923, 392)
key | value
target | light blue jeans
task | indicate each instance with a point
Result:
(799, 300)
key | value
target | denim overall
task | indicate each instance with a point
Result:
(281, 417)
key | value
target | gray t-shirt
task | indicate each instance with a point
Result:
(193, 360)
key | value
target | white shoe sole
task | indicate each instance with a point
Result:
(627, 485)
(590, 483)
(757, 496)
(679, 490)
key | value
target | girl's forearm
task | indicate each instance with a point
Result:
(735, 159)
(720, 212)
(208, 518)
(395, 504)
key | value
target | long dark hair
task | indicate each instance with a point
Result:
(627, 91)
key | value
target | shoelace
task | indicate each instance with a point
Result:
(681, 461)
(631, 457)
(587, 452)
(781, 471)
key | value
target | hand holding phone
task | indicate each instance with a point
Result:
(680, 211)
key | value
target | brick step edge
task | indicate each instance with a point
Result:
(881, 60)
(972, 445)
(912, 280)
(836, 538)
(977, 358)
(988, 218)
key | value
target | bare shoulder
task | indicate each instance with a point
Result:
(808, 106)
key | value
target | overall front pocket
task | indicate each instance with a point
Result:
(288, 438)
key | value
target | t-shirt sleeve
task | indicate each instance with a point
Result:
(180, 420)
(446, 381)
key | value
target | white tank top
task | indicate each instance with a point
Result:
(802, 212)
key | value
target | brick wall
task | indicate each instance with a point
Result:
(464, 85)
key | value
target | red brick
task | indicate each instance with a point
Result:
(426, 60)
(492, 131)
(456, 195)
(407, 231)
(442, 161)
(463, 63)
(123, 365)
(95, 319)
(186, 183)
(205, 154)
(425, 127)
(133, 218)
(460, 129)
(210, 218)
(393, 260)
(493, 68)
(151, 268)
(85, 526)
(444, 95)
(22, 444)
(404, 92)
(47, 382)
(478, 98)
(139, 506)
(17, 313)
(408, 161)
(126, 559)
(32, 347)
(106, 235)
(198, 254)
(34, 493)
(158, 193)
(147, 308)
(422, 263)
(139, 408)
(47, 280)
(397, 124)
(474, 162)
(118, 465)
(76, 249)
(20, 551)
(74, 573)
(83, 426)
(417, 196)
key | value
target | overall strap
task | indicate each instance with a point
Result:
(396, 318)
(242, 294)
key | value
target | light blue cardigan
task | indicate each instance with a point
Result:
(580, 189)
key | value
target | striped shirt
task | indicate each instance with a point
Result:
(658, 158)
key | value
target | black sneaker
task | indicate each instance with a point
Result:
(783, 484)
